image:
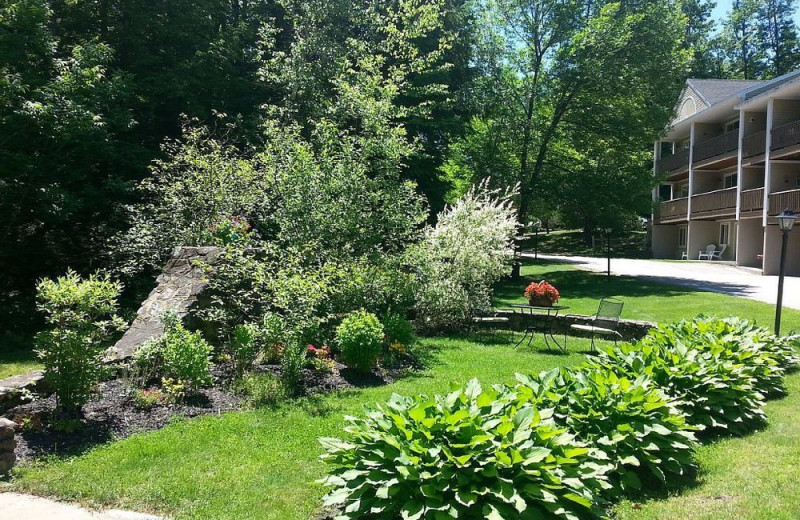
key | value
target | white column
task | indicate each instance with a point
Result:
(739, 184)
(739, 167)
(767, 167)
(691, 188)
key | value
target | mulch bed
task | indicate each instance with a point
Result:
(112, 413)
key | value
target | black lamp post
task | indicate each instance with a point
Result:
(536, 225)
(785, 223)
(608, 250)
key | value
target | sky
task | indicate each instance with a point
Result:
(724, 6)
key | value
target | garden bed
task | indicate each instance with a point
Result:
(114, 414)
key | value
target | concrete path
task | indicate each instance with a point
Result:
(707, 276)
(26, 507)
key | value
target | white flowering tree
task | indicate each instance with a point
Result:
(463, 256)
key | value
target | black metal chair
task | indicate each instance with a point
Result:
(604, 323)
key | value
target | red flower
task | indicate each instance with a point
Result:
(542, 290)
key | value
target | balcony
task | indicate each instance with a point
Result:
(674, 162)
(753, 145)
(752, 202)
(674, 210)
(717, 146)
(786, 136)
(782, 200)
(714, 204)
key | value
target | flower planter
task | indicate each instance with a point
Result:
(540, 302)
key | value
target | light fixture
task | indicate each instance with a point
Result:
(785, 224)
(786, 220)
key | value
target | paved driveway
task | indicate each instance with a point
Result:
(707, 276)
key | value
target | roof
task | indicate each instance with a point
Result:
(715, 90)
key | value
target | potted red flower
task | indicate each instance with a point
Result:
(541, 294)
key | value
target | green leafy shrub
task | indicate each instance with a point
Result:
(245, 346)
(260, 390)
(293, 360)
(469, 454)
(360, 338)
(397, 329)
(712, 391)
(80, 315)
(632, 421)
(180, 358)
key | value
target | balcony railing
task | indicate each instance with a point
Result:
(786, 135)
(755, 144)
(672, 210)
(719, 145)
(752, 200)
(676, 161)
(784, 200)
(715, 203)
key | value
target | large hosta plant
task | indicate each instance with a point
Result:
(715, 393)
(474, 453)
(643, 433)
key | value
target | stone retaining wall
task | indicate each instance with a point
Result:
(630, 330)
(179, 285)
(7, 446)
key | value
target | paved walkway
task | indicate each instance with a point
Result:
(26, 507)
(708, 276)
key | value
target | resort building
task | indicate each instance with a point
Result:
(728, 164)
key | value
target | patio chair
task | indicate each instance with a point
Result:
(717, 255)
(603, 323)
(707, 253)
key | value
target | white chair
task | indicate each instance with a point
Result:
(717, 255)
(708, 253)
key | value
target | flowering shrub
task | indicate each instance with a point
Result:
(228, 230)
(542, 291)
(460, 259)
(320, 358)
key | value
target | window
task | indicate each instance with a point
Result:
(683, 190)
(733, 125)
(724, 233)
(731, 180)
(682, 232)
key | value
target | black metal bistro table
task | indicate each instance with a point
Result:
(546, 315)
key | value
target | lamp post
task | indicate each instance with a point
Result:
(536, 225)
(608, 250)
(785, 223)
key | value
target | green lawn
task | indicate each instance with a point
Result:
(262, 464)
(16, 357)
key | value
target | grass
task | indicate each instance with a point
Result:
(16, 357)
(644, 300)
(750, 478)
(262, 464)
